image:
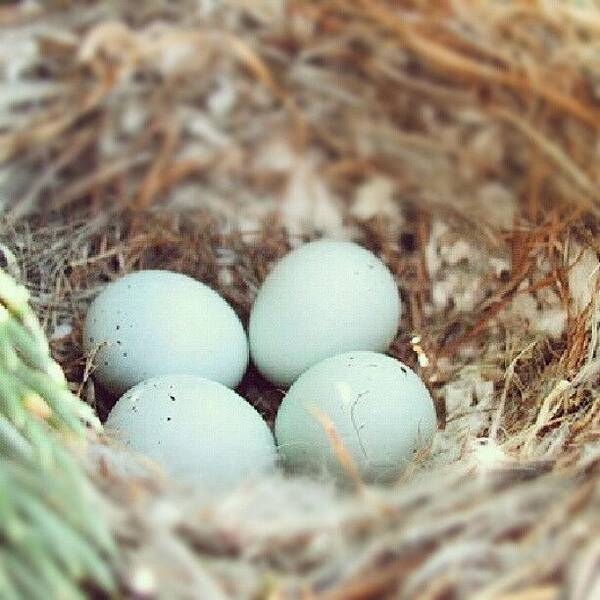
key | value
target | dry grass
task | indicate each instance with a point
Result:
(458, 140)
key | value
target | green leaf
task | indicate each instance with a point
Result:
(53, 532)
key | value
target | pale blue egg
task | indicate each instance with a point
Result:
(152, 323)
(324, 298)
(200, 431)
(375, 406)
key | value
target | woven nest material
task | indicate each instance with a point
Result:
(457, 140)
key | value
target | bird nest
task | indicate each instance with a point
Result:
(457, 140)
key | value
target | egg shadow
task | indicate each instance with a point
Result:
(261, 393)
(103, 401)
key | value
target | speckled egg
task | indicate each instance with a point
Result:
(200, 431)
(322, 299)
(377, 407)
(152, 323)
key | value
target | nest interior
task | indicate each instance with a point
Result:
(457, 140)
